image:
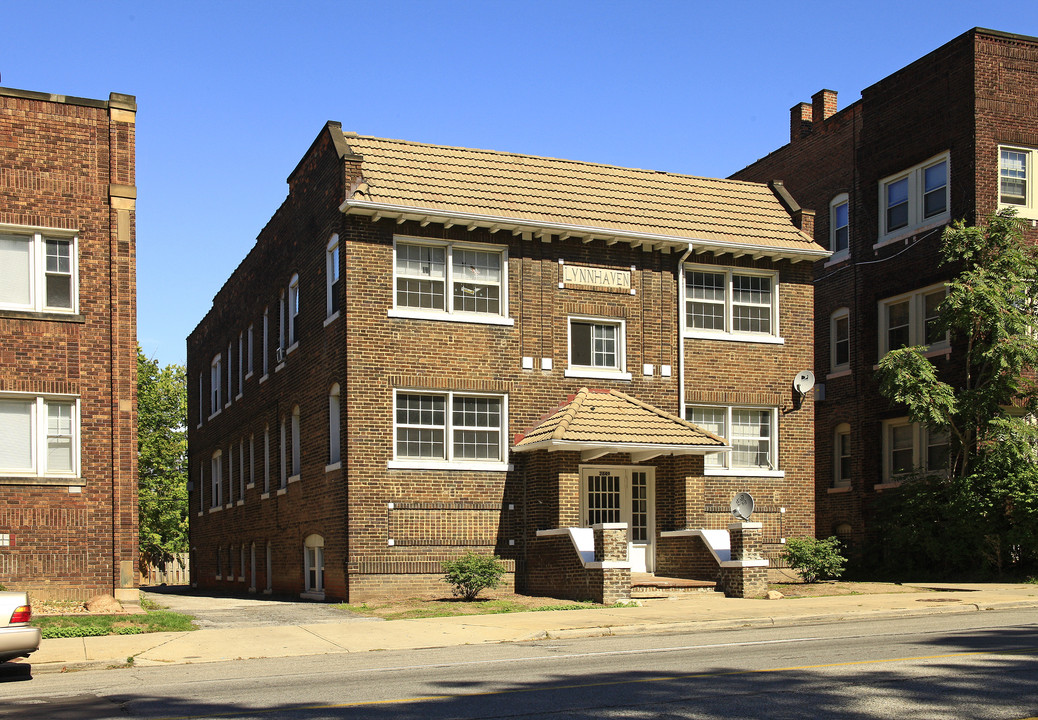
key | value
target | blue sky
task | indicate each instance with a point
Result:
(230, 94)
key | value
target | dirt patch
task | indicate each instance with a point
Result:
(827, 588)
(398, 608)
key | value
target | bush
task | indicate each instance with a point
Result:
(815, 560)
(471, 573)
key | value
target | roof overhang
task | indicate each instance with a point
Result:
(639, 452)
(545, 229)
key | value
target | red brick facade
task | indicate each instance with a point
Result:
(387, 526)
(959, 104)
(68, 477)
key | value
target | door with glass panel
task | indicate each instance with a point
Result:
(627, 495)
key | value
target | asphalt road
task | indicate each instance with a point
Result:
(982, 665)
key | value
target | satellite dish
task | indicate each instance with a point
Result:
(804, 381)
(742, 506)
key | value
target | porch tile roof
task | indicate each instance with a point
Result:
(527, 188)
(610, 418)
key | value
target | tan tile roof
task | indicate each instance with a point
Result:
(600, 418)
(437, 178)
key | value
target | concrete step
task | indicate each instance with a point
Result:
(645, 586)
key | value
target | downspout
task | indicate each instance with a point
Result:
(681, 332)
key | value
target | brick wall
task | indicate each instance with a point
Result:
(68, 163)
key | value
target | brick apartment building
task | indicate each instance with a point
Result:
(954, 135)
(431, 350)
(68, 440)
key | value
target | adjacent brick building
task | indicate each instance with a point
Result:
(431, 350)
(68, 441)
(952, 136)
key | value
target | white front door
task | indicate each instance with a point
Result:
(623, 494)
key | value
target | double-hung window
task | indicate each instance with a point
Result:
(752, 433)
(912, 319)
(731, 304)
(1015, 172)
(293, 313)
(38, 271)
(915, 198)
(842, 456)
(217, 479)
(331, 267)
(461, 429)
(39, 436)
(215, 384)
(597, 348)
(840, 341)
(839, 228)
(911, 447)
(450, 281)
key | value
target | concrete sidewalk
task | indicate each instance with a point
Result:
(705, 611)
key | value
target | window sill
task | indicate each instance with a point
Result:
(227, 404)
(931, 352)
(887, 485)
(440, 465)
(293, 479)
(844, 372)
(333, 467)
(219, 577)
(837, 258)
(228, 506)
(264, 378)
(597, 374)
(250, 486)
(237, 397)
(198, 426)
(200, 513)
(240, 503)
(248, 374)
(744, 472)
(216, 509)
(71, 317)
(215, 414)
(279, 366)
(1022, 211)
(282, 491)
(67, 480)
(264, 496)
(451, 317)
(839, 489)
(736, 337)
(292, 348)
(905, 234)
(331, 318)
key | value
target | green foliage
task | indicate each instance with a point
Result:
(471, 573)
(982, 515)
(63, 626)
(162, 460)
(813, 559)
(73, 631)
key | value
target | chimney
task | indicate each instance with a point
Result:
(799, 121)
(823, 106)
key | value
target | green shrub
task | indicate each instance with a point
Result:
(471, 573)
(815, 560)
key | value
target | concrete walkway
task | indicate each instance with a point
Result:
(705, 611)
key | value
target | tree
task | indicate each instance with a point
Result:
(983, 511)
(161, 460)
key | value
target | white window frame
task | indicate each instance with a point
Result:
(241, 470)
(920, 445)
(1029, 208)
(728, 332)
(266, 459)
(726, 464)
(841, 200)
(216, 480)
(230, 376)
(241, 365)
(332, 274)
(38, 436)
(916, 320)
(216, 386)
(837, 369)
(449, 313)
(251, 345)
(266, 343)
(293, 314)
(843, 430)
(617, 372)
(230, 474)
(449, 461)
(916, 222)
(252, 462)
(313, 545)
(201, 398)
(334, 428)
(279, 354)
(297, 459)
(37, 257)
(283, 448)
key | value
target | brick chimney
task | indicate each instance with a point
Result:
(799, 121)
(823, 105)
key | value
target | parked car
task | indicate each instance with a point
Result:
(17, 639)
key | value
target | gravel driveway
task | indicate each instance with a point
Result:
(222, 611)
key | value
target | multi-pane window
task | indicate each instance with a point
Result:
(725, 301)
(38, 272)
(842, 455)
(293, 310)
(919, 196)
(215, 384)
(216, 479)
(331, 262)
(426, 274)
(39, 436)
(912, 319)
(596, 344)
(839, 226)
(313, 561)
(911, 447)
(603, 498)
(1014, 190)
(840, 340)
(449, 427)
(751, 432)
